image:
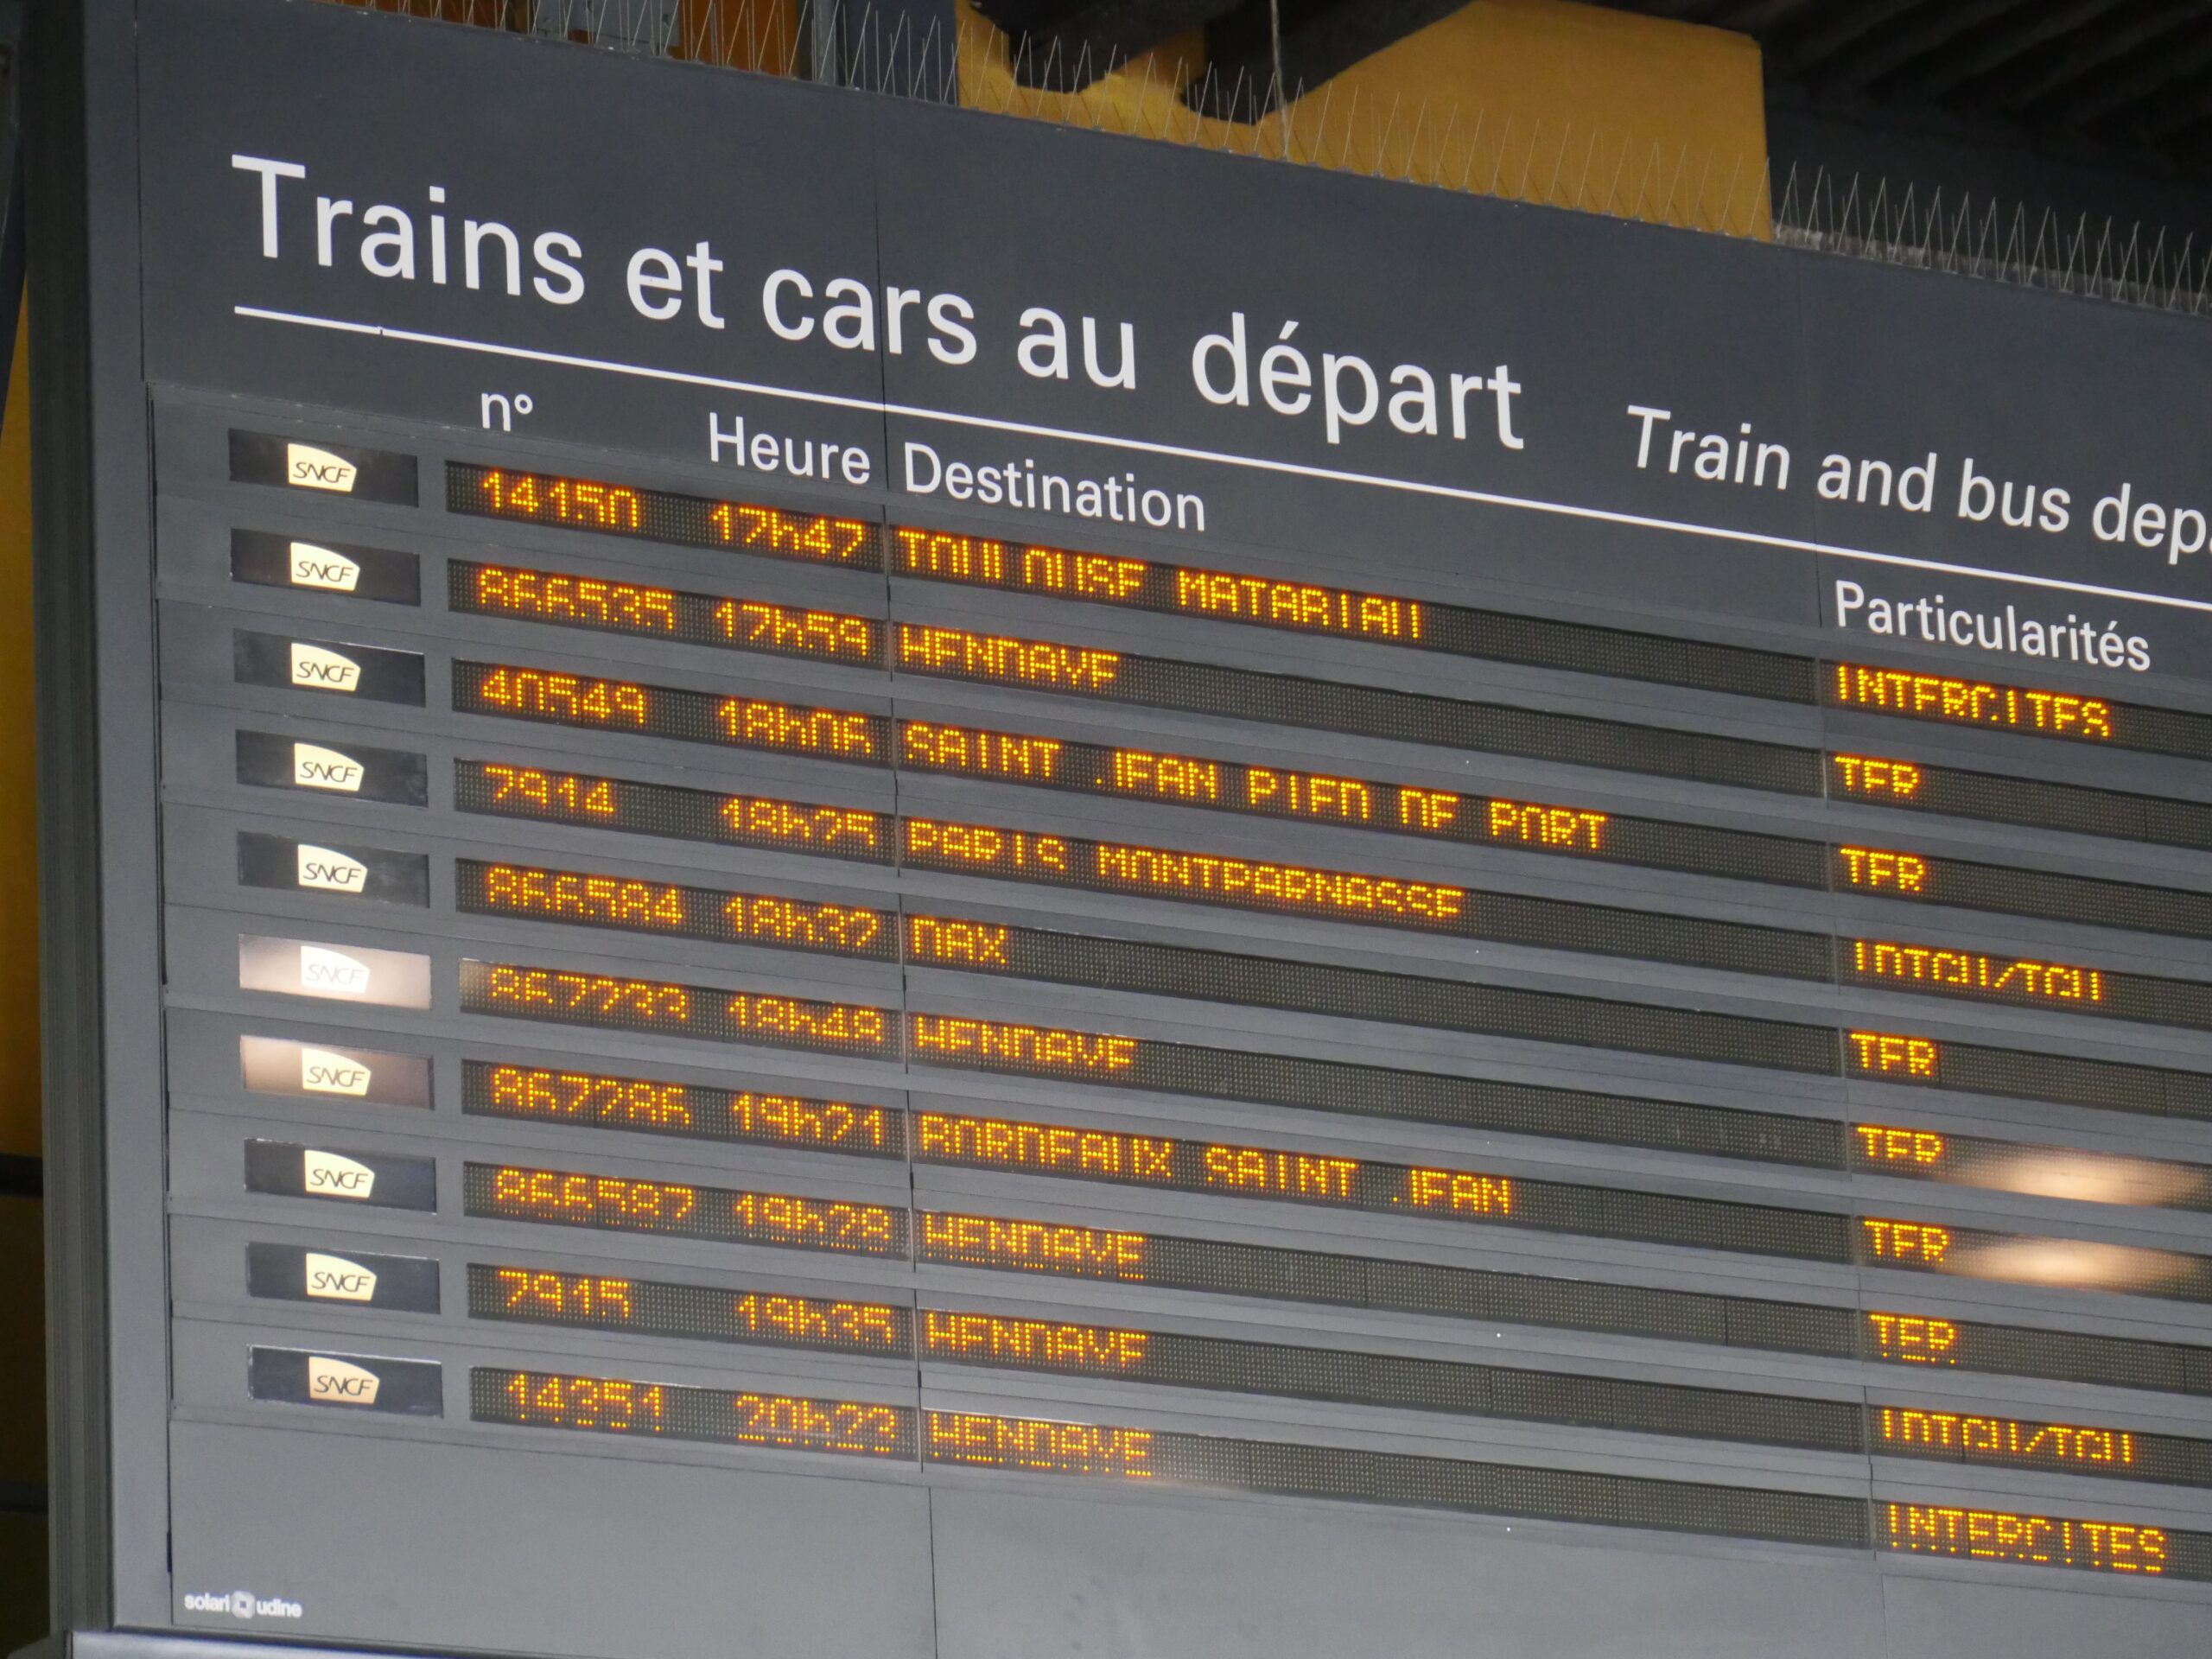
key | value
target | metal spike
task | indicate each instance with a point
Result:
(1383, 144)
(1667, 211)
(1559, 165)
(1413, 142)
(1144, 88)
(1474, 149)
(1696, 209)
(1643, 184)
(1617, 202)
(1351, 126)
(1536, 138)
(1321, 123)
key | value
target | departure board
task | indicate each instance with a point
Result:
(918, 886)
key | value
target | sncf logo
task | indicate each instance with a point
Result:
(320, 567)
(332, 973)
(330, 871)
(332, 1278)
(315, 767)
(310, 469)
(324, 671)
(336, 1382)
(322, 1072)
(334, 1175)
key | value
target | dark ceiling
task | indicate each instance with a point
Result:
(1067, 44)
(2122, 79)
(2127, 79)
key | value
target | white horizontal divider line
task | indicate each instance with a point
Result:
(1221, 458)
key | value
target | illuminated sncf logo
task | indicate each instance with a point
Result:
(327, 870)
(316, 767)
(326, 972)
(318, 669)
(327, 1071)
(338, 1382)
(334, 1175)
(335, 1278)
(309, 468)
(321, 566)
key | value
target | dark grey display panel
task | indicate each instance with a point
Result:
(933, 887)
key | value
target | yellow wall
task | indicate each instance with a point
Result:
(761, 34)
(1535, 99)
(19, 1077)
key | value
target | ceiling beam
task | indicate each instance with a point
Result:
(2179, 114)
(1839, 25)
(2011, 46)
(1895, 48)
(1063, 46)
(1755, 16)
(1678, 11)
(2156, 72)
(2076, 60)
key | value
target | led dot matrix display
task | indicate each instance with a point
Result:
(1285, 700)
(660, 515)
(1309, 1369)
(643, 1105)
(813, 1121)
(577, 1199)
(1327, 797)
(1234, 882)
(1307, 608)
(1056, 1447)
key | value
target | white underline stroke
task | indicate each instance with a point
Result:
(1220, 458)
